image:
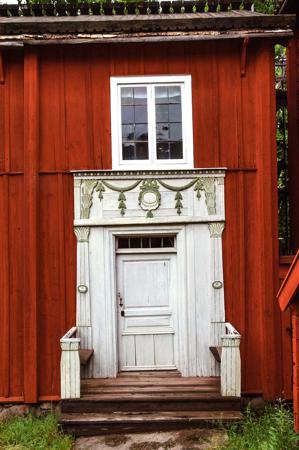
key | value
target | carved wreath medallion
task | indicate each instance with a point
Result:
(149, 197)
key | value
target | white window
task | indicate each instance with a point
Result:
(151, 122)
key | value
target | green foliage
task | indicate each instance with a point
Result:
(273, 430)
(266, 6)
(30, 433)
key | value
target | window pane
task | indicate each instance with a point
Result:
(169, 122)
(140, 97)
(145, 242)
(128, 132)
(174, 94)
(162, 130)
(162, 113)
(175, 113)
(141, 132)
(175, 131)
(122, 242)
(176, 150)
(134, 123)
(127, 96)
(127, 114)
(141, 150)
(168, 241)
(129, 151)
(161, 94)
(156, 242)
(141, 114)
(163, 150)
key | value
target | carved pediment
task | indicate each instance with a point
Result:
(195, 195)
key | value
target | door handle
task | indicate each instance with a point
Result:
(120, 300)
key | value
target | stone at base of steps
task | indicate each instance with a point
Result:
(195, 439)
(92, 424)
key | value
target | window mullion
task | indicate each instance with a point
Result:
(151, 123)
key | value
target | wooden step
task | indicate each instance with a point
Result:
(144, 388)
(148, 402)
(106, 423)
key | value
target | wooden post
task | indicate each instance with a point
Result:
(83, 320)
(70, 365)
(1, 67)
(217, 293)
(31, 146)
(295, 339)
(231, 366)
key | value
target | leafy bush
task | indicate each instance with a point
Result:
(30, 433)
(273, 430)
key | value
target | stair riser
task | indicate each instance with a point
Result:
(143, 406)
(94, 429)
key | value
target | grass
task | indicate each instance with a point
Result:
(273, 430)
(31, 433)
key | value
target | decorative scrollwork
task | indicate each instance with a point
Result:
(87, 188)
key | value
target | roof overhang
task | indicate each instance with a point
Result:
(143, 28)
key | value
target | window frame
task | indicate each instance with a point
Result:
(187, 162)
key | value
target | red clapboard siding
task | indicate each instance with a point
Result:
(234, 126)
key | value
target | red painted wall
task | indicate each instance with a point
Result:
(293, 118)
(54, 117)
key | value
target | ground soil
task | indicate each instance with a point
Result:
(197, 439)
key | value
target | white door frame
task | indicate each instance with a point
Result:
(194, 308)
(187, 203)
(105, 263)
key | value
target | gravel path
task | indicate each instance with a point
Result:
(199, 439)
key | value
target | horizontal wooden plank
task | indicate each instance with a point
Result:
(133, 417)
(91, 424)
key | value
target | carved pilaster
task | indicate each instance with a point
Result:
(83, 319)
(216, 229)
(82, 233)
(217, 289)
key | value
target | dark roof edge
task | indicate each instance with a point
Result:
(235, 20)
(21, 40)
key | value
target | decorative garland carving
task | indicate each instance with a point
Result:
(87, 188)
(149, 197)
(216, 229)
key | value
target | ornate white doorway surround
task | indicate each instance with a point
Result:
(188, 205)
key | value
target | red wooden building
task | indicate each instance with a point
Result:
(149, 130)
(292, 7)
(288, 297)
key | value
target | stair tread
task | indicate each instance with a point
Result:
(136, 417)
(146, 380)
(154, 396)
(149, 389)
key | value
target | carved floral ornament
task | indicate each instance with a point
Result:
(149, 198)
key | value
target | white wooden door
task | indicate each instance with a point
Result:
(146, 311)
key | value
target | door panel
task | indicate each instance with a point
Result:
(146, 286)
